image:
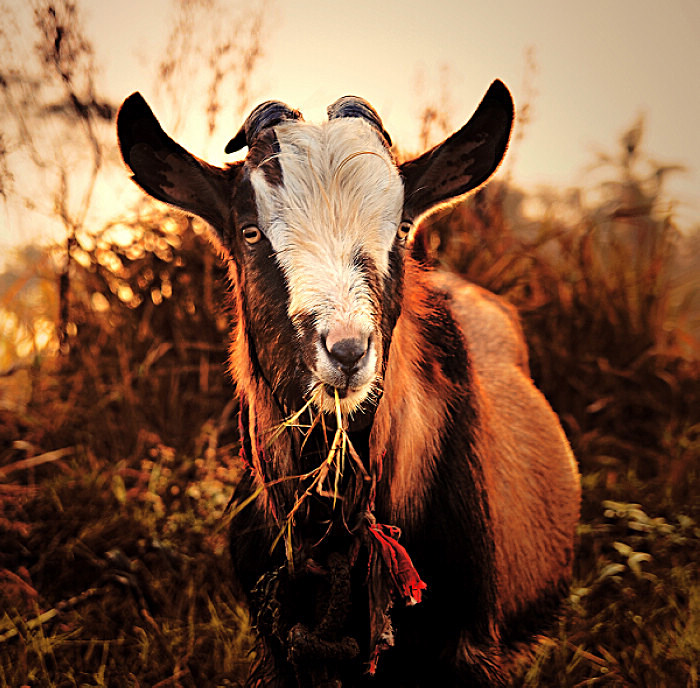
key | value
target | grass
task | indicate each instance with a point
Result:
(113, 576)
(114, 480)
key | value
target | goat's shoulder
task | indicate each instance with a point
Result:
(492, 329)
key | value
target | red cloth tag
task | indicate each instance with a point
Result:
(407, 582)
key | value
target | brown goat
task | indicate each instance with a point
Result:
(421, 411)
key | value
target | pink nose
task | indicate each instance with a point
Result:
(347, 347)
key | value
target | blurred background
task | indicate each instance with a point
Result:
(118, 439)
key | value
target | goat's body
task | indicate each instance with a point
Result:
(530, 469)
(423, 376)
(480, 483)
(526, 475)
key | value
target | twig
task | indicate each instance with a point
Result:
(52, 613)
(33, 461)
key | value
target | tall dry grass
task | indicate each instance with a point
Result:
(115, 475)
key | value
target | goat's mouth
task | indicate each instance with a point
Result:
(352, 399)
(331, 391)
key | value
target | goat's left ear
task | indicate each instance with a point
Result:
(165, 170)
(465, 160)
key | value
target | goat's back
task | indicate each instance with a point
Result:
(532, 478)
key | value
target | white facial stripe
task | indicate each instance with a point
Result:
(341, 193)
(330, 286)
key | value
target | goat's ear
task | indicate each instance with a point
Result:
(165, 170)
(465, 160)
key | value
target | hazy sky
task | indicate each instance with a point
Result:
(599, 65)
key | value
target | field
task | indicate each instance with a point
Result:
(118, 429)
(117, 464)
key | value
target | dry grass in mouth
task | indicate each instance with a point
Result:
(325, 478)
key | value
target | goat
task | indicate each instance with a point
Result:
(421, 411)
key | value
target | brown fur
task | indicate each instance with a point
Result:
(530, 475)
(530, 469)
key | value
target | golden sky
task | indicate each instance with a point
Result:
(599, 64)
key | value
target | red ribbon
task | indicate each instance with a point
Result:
(404, 576)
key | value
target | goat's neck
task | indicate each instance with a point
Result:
(428, 377)
(427, 373)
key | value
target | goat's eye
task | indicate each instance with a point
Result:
(403, 230)
(251, 234)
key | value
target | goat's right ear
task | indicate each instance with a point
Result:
(165, 170)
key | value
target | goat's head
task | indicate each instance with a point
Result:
(315, 222)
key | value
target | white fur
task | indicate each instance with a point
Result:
(341, 192)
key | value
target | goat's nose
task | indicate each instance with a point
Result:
(347, 352)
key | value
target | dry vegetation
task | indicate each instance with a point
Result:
(118, 451)
(115, 475)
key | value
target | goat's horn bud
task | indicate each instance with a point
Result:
(354, 106)
(267, 114)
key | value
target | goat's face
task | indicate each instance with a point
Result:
(328, 233)
(315, 221)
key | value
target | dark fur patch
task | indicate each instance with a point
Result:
(244, 213)
(461, 584)
(250, 539)
(263, 300)
(264, 155)
(366, 265)
(536, 618)
(271, 333)
(459, 505)
(392, 297)
(443, 340)
(306, 337)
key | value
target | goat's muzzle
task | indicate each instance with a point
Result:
(346, 363)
